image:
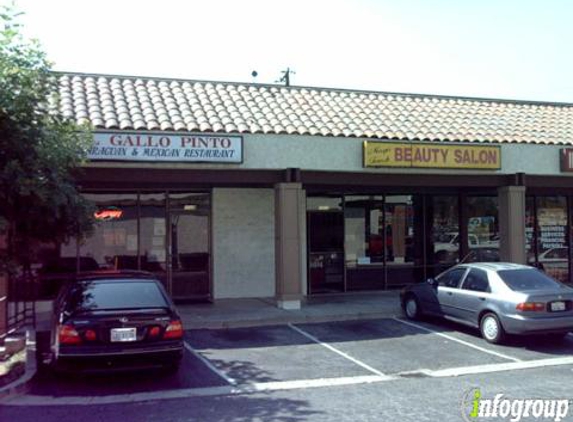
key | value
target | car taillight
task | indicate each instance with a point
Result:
(90, 335)
(68, 335)
(530, 306)
(154, 331)
(174, 330)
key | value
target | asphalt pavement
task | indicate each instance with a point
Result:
(313, 355)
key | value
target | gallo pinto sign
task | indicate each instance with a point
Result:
(166, 147)
(425, 155)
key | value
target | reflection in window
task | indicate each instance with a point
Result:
(326, 244)
(552, 241)
(364, 230)
(153, 227)
(379, 240)
(445, 230)
(113, 244)
(483, 229)
(530, 240)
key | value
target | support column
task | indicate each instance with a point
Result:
(289, 221)
(512, 224)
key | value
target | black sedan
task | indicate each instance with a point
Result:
(113, 321)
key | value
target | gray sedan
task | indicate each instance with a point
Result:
(498, 298)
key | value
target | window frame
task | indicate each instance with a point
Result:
(462, 278)
(481, 272)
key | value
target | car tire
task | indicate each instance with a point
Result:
(491, 329)
(412, 307)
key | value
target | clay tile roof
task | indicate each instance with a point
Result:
(135, 103)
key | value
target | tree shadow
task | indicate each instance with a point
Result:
(252, 408)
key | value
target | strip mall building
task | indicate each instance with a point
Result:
(229, 190)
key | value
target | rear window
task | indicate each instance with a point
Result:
(92, 295)
(527, 279)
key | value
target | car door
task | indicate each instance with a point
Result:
(448, 289)
(472, 296)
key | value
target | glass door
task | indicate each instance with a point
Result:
(402, 240)
(325, 225)
(189, 256)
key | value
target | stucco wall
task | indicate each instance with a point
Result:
(243, 243)
(345, 154)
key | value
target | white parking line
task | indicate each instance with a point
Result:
(498, 367)
(229, 390)
(333, 349)
(465, 343)
(209, 365)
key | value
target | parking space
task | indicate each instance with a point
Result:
(523, 348)
(192, 374)
(268, 354)
(393, 347)
(354, 348)
(314, 351)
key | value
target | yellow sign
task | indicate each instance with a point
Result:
(421, 155)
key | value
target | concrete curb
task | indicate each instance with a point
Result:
(21, 384)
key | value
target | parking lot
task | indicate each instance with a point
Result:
(320, 355)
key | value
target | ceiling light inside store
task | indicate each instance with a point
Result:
(323, 207)
(189, 207)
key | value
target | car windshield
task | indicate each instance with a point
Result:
(94, 295)
(527, 279)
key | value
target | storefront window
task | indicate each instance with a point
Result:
(325, 225)
(153, 232)
(114, 243)
(445, 231)
(482, 229)
(380, 241)
(530, 240)
(401, 239)
(552, 242)
(189, 239)
(364, 242)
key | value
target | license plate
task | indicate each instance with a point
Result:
(558, 306)
(123, 334)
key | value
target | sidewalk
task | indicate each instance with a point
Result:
(231, 313)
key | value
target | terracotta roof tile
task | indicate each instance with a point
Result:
(133, 103)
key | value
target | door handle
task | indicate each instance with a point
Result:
(482, 299)
(450, 294)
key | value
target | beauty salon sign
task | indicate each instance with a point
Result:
(427, 155)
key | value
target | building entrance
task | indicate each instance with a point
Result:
(188, 251)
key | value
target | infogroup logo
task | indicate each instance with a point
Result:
(475, 407)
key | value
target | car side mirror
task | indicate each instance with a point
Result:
(432, 282)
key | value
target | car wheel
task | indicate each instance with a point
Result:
(491, 329)
(412, 307)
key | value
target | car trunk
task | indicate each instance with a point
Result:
(122, 327)
(556, 303)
